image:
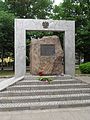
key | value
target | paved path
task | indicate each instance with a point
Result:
(1, 79)
(84, 78)
(58, 114)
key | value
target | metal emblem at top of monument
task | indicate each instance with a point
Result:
(45, 24)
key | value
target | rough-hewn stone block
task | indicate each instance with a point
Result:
(46, 55)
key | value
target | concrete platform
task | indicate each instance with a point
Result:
(60, 114)
(84, 78)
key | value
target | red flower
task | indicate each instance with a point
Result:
(41, 73)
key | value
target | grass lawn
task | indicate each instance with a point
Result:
(6, 73)
(77, 71)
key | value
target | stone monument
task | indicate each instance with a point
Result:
(65, 26)
(46, 55)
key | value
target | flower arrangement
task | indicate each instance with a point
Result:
(45, 79)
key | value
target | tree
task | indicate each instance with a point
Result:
(3, 6)
(6, 33)
(30, 8)
(33, 9)
(78, 10)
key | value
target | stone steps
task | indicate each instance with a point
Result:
(47, 86)
(43, 105)
(58, 77)
(37, 82)
(32, 94)
(44, 92)
(43, 98)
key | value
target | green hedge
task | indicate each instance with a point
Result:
(85, 68)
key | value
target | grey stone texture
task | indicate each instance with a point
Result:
(46, 55)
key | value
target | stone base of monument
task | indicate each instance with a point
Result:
(32, 94)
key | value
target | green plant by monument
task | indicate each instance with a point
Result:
(46, 79)
(85, 68)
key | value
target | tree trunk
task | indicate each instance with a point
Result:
(79, 57)
(13, 66)
(14, 61)
(2, 55)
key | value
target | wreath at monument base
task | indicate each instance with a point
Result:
(45, 79)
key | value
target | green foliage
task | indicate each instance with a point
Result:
(78, 10)
(20, 9)
(45, 79)
(38, 34)
(30, 8)
(6, 73)
(3, 6)
(6, 34)
(85, 68)
(6, 30)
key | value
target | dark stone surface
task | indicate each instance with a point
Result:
(47, 49)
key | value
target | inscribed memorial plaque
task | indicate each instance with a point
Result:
(47, 49)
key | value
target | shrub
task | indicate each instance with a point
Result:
(85, 68)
